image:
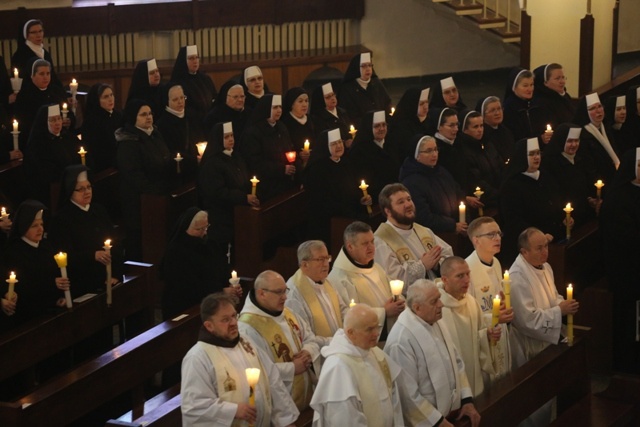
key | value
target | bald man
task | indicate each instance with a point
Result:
(357, 386)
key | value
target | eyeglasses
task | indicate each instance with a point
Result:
(494, 110)
(534, 153)
(193, 57)
(179, 98)
(228, 319)
(452, 125)
(336, 143)
(206, 227)
(322, 259)
(236, 97)
(83, 189)
(146, 114)
(280, 293)
(451, 91)
(255, 79)
(367, 65)
(492, 235)
(429, 150)
(36, 31)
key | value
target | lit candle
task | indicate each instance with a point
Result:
(79, 137)
(352, 303)
(178, 159)
(61, 260)
(12, 282)
(82, 153)
(291, 156)
(495, 314)
(570, 316)
(393, 110)
(253, 375)
(352, 131)
(15, 133)
(568, 209)
(73, 87)
(396, 288)
(462, 210)
(478, 193)
(599, 184)
(3, 214)
(506, 284)
(107, 248)
(234, 274)
(201, 147)
(306, 145)
(549, 130)
(15, 73)
(363, 187)
(65, 110)
(254, 185)
(15, 126)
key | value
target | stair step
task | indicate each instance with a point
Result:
(508, 37)
(486, 23)
(465, 9)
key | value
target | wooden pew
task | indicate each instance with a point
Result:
(257, 228)
(44, 337)
(159, 215)
(559, 371)
(13, 183)
(162, 410)
(125, 369)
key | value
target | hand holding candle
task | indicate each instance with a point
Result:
(599, 184)
(568, 209)
(61, 260)
(254, 185)
(83, 153)
(352, 131)
(16, 81)
(253, 376)
(462, 211)
(363, 186)
(107, 248)
(478, 193)
(12, 282)
(396, 288)
(234, 280)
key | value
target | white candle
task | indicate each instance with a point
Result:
(201, 147)
(3, 214)
(107, 248)
(253, 375)
(306, 145)
(12, 282)
(506, 284)
(15, 126)
(254, 185)
(61, 260)
(352, 303)
(396, 288)
(15, 73)
(234, 274)
(73, 87)
(463, 212)
(599, 184)
(570, 316)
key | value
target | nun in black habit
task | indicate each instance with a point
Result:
(188, 268)
(332, 186)
(523, 114)
(633, 112)
(198, 86)
(30, 257)
(620, 225)
(618, 125)
(375, 159)
(264, 146)
(572, 172)
(361, 90)
(254, 86)
(410, 119)
(551, 94)
(223, 183)
(448, 96)
(295, 106)
(529, 198)
(36, 92)
(327, 114)
(31, 44)
(80, 227)
(146, 84)
(145, 166)
(179, 130)
(450, 155)
(101, 120)
(229, 106)
(495, 132)
(50, 149)
(595, 141)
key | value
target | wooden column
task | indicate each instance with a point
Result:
(525, 38)
(587, 25)
(614, 35)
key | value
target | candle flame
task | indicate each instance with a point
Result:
(73, 81)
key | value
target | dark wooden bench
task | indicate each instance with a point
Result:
(125, 369)
(163, 410)
(13, 183)
(256, 228)
(44, 337)
(559, 371)
(159, 215)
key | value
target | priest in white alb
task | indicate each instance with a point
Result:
(434, 387)
(358, 383)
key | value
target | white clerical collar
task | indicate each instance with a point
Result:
(38, 49)
(30, 243)
(84, 208)
(336, 161)
(258, 95)
(176, 113)
(147, 131)
(444, 138)
(334, 112)
(379, 143)
(314, 284)
(302, 120)
(401, 230)
(570, 157)
(535, 175)
(228, 152)
(363, 83)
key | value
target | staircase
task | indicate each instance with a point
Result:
(501, 17)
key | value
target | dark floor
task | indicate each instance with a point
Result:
(474, 85)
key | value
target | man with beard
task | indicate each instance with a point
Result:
(359, 279)
(312, 297)
(277, 331)
(214, 384)
(406, 250)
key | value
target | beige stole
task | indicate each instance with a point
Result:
(364, 288)
(398, 244)
(320, 323)
(603, 139)
(268, 328)
(368, 393)
(228, 378)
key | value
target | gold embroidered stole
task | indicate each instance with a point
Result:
(364, 287)
(228, 378)
(399, 246)
(282, 350)
(368, 392)
(320, 323)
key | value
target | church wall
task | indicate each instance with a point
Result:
(629, 30)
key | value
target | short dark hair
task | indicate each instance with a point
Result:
(354, 229)
(523, 238)
(212, 303)
(477, 223)
(448, 263)
(384, 198)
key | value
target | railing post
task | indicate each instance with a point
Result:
(525, 38)
(587, 36)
